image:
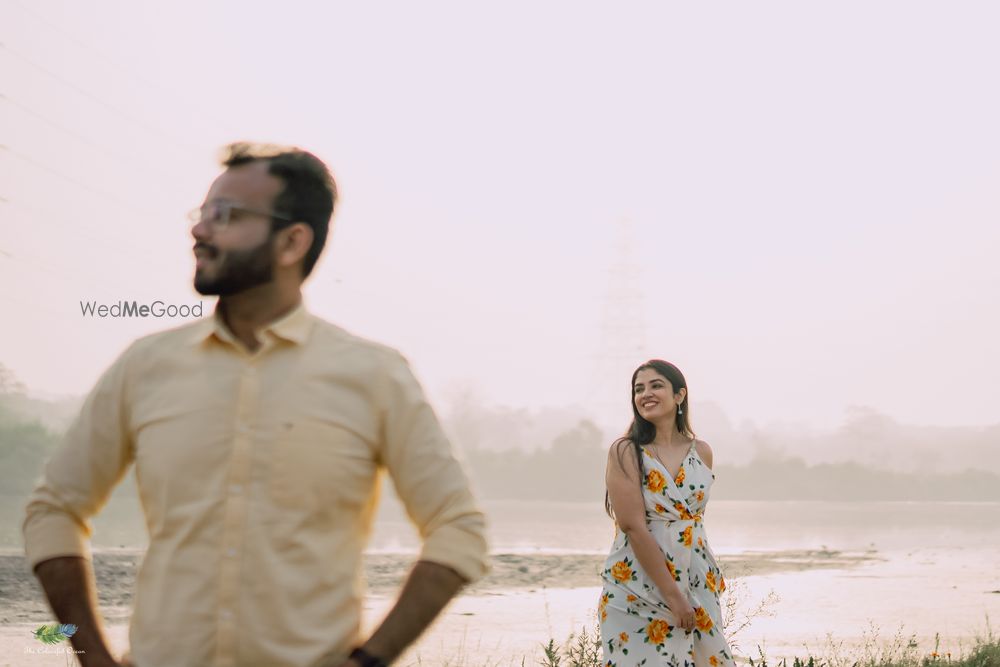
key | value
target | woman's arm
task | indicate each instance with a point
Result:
(622, 478)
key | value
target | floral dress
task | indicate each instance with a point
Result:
(637, 627)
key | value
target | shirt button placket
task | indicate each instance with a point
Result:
(235, 516)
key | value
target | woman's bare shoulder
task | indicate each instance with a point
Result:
(704, 451)
(623, 452)
(621, 445)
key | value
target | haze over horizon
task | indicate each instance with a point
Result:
(810, 192)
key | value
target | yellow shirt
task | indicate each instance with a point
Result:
(258, 475)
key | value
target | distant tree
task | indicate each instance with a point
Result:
(24, 447)
(9, 384)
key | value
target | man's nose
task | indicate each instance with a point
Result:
(201, 230)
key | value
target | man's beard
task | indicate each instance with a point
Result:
(239, 270)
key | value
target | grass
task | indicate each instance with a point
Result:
(985, 652)
(584, 650)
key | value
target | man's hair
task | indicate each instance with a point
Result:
(309, 194)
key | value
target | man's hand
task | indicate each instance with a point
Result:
(334, 661)
(107, 662)
(428, 589)
(69, 585)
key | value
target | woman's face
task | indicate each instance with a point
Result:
(654, 396)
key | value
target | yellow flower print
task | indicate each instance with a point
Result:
(624, 637)
(655, 481)
(657, 630)
(722, 583)
(700, 496)
(660, 509)
(702, 620)
(621, 571)
(683, 511)
(631, 598)
(713, 661)
(710, 581)
(672, 569)
(701, 543)
(680, 477)
(686, 537)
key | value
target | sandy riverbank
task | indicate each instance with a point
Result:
(22, 602)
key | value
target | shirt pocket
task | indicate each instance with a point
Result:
(320, 466)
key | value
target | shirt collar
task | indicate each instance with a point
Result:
(294, 326)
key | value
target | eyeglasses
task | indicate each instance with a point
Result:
(220, 213)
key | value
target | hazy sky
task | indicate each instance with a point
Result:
(811, 190)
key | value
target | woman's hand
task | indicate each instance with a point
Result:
(683, 612)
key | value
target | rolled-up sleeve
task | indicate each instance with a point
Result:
(80, 476)
(429, 479)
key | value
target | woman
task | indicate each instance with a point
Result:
(660, 603)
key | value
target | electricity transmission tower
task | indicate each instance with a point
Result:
(622, 344)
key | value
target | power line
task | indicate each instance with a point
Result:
(95, 98)
(129, 162)
(86, 277)
(54, 215)
(36, 263)
(104, 240)
(66, 177)
(135, 74)
(75, 279)
(31, 304)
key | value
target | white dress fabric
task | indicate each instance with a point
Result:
(637, 627)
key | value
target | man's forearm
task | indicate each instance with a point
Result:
(69, 585)
(428, 589)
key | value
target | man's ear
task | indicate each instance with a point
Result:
(295, 243)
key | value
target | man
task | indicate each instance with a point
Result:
(257, 436)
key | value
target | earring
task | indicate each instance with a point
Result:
(680, 410)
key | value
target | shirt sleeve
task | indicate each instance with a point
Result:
(80, 476)
(429, 479)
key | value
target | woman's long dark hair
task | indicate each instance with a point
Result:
(642, 432)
